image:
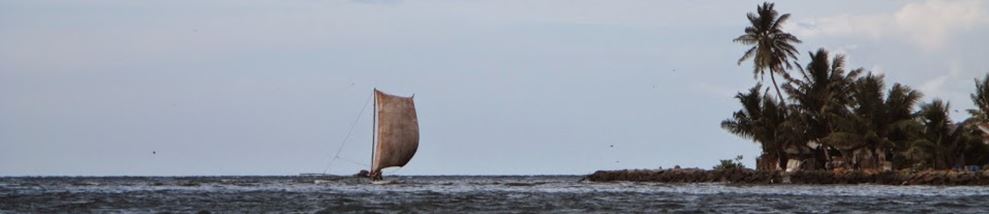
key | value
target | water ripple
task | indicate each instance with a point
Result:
(465, 194)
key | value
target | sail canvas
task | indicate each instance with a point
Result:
(397, 131)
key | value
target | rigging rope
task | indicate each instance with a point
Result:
(355, 162)
(347, 137)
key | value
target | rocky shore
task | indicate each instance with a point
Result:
(748, 176)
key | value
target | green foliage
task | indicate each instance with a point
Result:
(730, 164)
(981, 100)
(772, 48)
(820, 94)
(977, 152)
(761, 119)
(851, 114)
(942, 144)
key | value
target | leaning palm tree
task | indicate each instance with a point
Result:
(772, 48)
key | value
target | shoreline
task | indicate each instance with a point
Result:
(816, 177)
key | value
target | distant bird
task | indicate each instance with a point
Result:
(612, 146)
(154, 152)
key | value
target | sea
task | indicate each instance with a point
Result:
(464, 194)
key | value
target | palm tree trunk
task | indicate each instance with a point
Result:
(938, 160)
(782, 157)
(780, 161)
(772, 76)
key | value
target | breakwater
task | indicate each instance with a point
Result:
(747, 176)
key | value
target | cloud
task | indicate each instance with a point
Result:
(876, 69)
(929, 24)
(841, 50)
(842, 25)
(935, 87)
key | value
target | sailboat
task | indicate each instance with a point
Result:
(395, 135)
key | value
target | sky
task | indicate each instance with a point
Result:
(119, 87)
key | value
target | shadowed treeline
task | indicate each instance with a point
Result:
(829, 116)
(748, 176)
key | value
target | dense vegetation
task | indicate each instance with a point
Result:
(828, 116)
(730, 164)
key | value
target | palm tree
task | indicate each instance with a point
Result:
(980, 116)
(900, 121)
(821, 92)
(772, 48)
(819, 95)
(981, 100)
(760, 119)
(940, 141)
(876, 122)
(973, 150)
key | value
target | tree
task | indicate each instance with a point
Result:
(730, 164)
(820, 94)
(979, 123)
(899, 105)
(760, 119)
(847, 113)
(877, 121)
(981, 100)
(940, 142)
(772, 49)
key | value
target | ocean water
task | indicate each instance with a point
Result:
(458, 194)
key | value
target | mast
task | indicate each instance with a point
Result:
(374, 127)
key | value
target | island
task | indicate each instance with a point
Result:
(828, 123)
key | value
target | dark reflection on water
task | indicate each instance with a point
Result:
(464, 193)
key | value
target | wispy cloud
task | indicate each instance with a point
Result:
(877, 69)
(929, 24)
(935, 87)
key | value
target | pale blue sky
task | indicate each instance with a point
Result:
(502, 87)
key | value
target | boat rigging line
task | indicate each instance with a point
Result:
(347, 137)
